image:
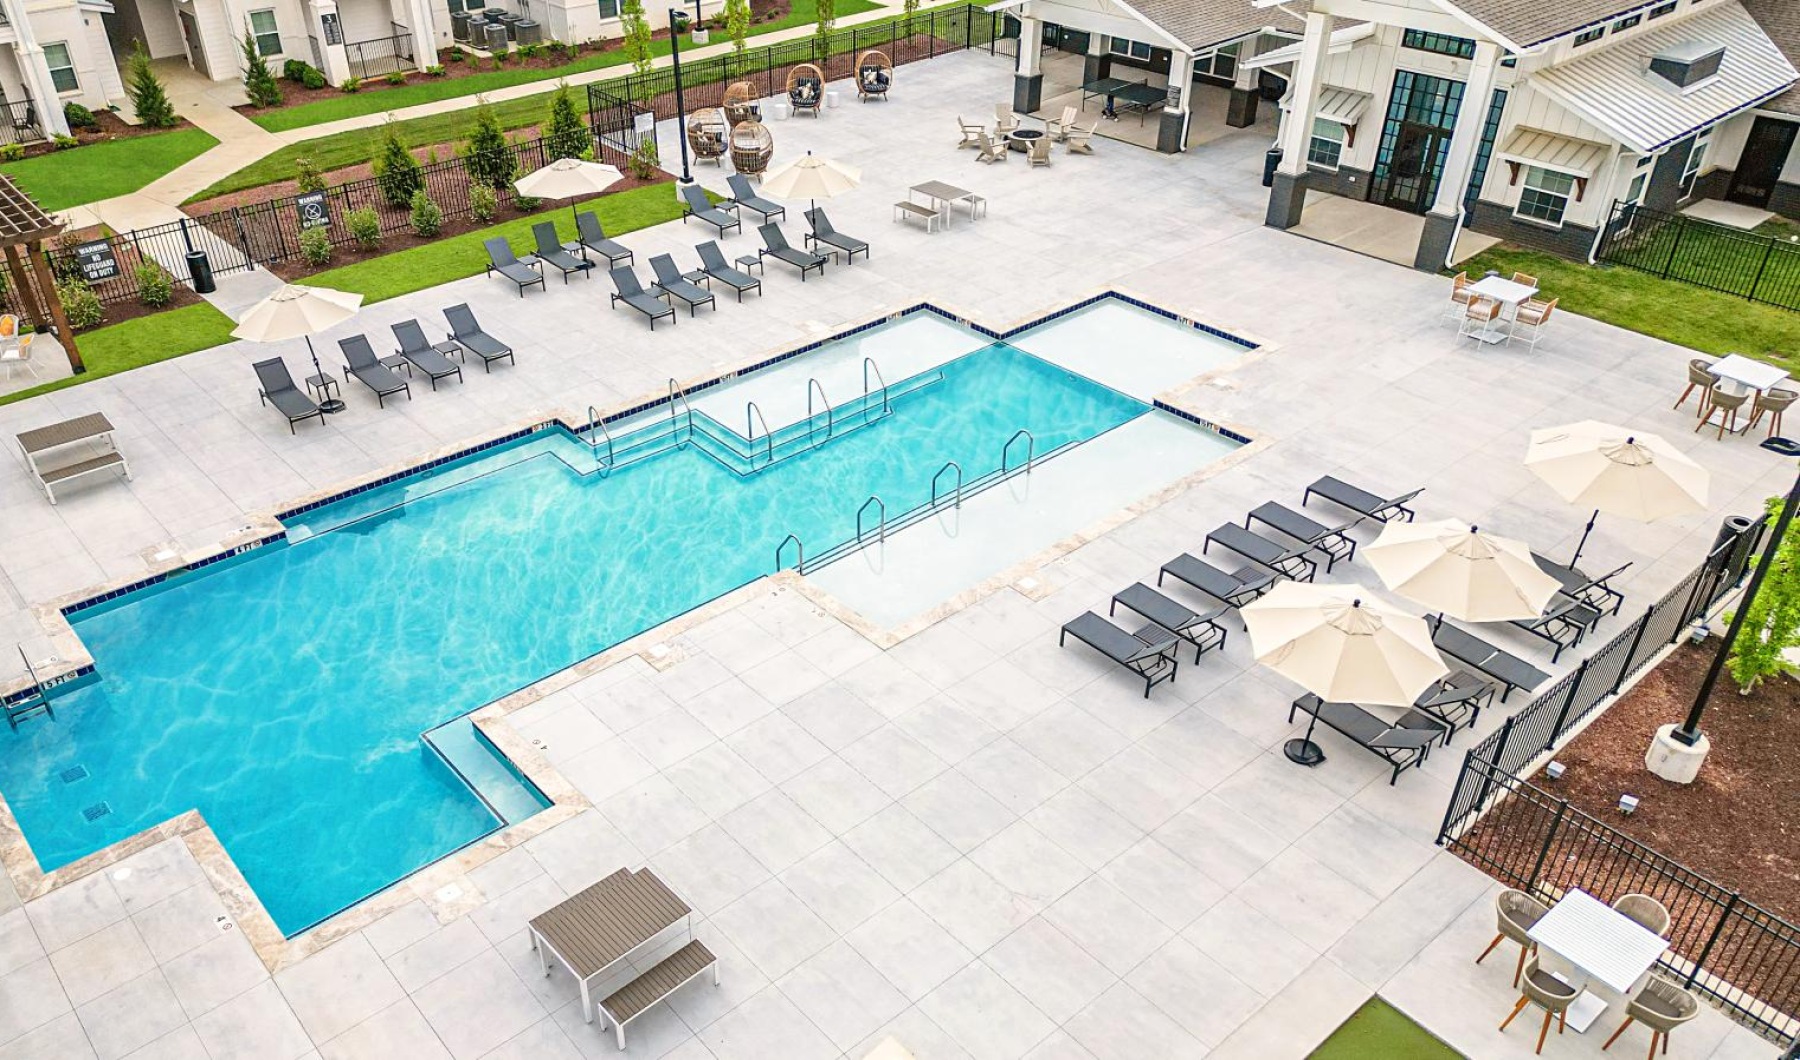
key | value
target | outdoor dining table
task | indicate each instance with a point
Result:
(595, 929)
(1596, 949)
(1508, 293)
(942, 195)
(1743, 374)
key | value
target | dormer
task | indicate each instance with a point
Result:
(1688, 64)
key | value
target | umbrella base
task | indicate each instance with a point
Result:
(332, 407)
(1303, 752)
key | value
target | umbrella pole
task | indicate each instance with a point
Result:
(1303, 751)
(1576, 558)
(330, 404)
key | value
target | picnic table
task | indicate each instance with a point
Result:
(1592, 945)
(91, 428)
(943, 196)
(598, 927)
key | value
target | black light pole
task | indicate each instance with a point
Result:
(1689, 733)
(680, 105)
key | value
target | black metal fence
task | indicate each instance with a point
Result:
(381, 55)
(703, 81)
(1760, 268)
(19, 123)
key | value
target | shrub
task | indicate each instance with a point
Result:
(154, 285)
(1772, 625)
(427, 217)
(456, 55)
(11, 152)
(396, 171)
(485, 153)
(526, 203)
(565, 134)
(528, 51)
(351, 85)
(395, 77)
(431, 156)
(482, 201)
(148, 98)
(315, 247)
(313, 78)
(434, 70)
(307, 175)
(259, 83)
(294, 70)
(80, 304)
(365, 227)
(63, 143)
(643, 161)
(79, 117)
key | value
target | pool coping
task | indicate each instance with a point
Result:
(445, 885)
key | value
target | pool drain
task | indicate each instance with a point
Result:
(96, 811)
(74, 773)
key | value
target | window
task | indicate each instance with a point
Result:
(1590, 36)
(1440, 43)
(1221, 63)
(1130, 48)
(609, 8)
(1662, 9)
(1696, 159)
(62, 68)
(1546, 195)
(1327, 145)
(1484, 148)
(1635, 194)
(1626, 23)
(262, 27)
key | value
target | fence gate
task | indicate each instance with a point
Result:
(613, 119)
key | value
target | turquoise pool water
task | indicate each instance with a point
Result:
(284, 693)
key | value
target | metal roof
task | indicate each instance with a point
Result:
(1342, 105)
(1547, 150)
(1614, 89)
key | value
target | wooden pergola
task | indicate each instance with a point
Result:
(23, 228)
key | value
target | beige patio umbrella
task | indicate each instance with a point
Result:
(296, 311)
(1344, 645)
(568, 178)
(1458, 570)
(811, 177)
(1617, 471)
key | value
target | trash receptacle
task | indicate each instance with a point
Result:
(1271, 162)
(200, 272)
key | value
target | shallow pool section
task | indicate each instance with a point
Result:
(286, 693)
(1134, 350)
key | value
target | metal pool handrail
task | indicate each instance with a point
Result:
(595, 423)
(752, 416)
(675, 394)
(869, 365)
(949, 465)
(812, 385)
(881, 525)
(1030, 449)
(799, 552)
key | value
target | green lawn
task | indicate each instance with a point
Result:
(803, 12)
(1700, 319)
(1378, 1031)
(146, 340)
(62, 179)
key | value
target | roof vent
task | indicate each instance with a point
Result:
(1686, 65)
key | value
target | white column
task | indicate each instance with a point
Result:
(1296, 127)
(1181, 78)
(335, 63)
(424, 33)
(34, 71)
(1031, 42)
(1471, 117)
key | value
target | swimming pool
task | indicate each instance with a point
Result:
(283, 693)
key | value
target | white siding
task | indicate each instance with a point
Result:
(365, 19)
(162, 33)
(87, 49)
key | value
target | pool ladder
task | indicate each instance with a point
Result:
(35, 703)
(596, 433)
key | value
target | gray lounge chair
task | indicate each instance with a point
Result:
(467, 335)
(823, 232)
(673, 284)
(1331, 541)
(1465, 647)
(712, 261)
(1292, 562)
(421, 354)
(1562, 625)
(1456, 700)
(1149, 653)
(550, 250)
(1202, 630)
(1592, 591)
(502, 260)
(632, 293)
(1404, 744)
(1237, 588)
(278, 389)
(360, 361)
(698, 205)
(775, 245)
(745, 196)
(593, 237)
(1360, 500)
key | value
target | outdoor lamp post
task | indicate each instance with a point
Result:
(1677, 752)
(676, 13)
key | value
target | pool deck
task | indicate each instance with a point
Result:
(985, 845)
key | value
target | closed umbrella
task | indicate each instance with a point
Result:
(1617, 471)
(296, 311)
(1458, 570)
(811, 178)
(1344, 645)
(568, 178)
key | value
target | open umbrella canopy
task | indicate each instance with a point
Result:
(810, 177)
(1452, 567)
(296, 311)
(568, 178)
(1617, 471)
(1342, 643)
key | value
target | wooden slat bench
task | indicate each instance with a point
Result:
(670, 974)
(904, 211)
(93, 427)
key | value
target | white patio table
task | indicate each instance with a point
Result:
(1743, 374)
(1508, 293)
(1596, 949)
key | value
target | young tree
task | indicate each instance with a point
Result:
(564, 134)
(396, 170)
(910, 7)
(259, 82)
(486, 154)
(1773, 623)
(637, 46)
(737, 26)
(145, 89)
(827, 19)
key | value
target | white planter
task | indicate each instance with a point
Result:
(831, 97)
(701, 36)
(779, 109)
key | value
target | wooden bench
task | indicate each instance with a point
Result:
(904, 210)
(670, 974)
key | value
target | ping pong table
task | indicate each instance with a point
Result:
(1132, 95)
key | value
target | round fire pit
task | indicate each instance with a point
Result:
(1022, 139)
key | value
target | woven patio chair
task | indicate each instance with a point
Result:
(1547, 992)
(1661, 1006)
(1514, 914)
(1645, 910)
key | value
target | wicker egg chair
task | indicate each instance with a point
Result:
(740, 102)
(706, 131)
(806, 88)
(874, 75)
(751, 148)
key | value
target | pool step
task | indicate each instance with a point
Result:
(479, 765)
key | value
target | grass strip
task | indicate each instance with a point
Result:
(1379, 1031)
(133, 344)
(62, 179)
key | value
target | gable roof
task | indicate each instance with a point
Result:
(1780, 19)
(1203, 24)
